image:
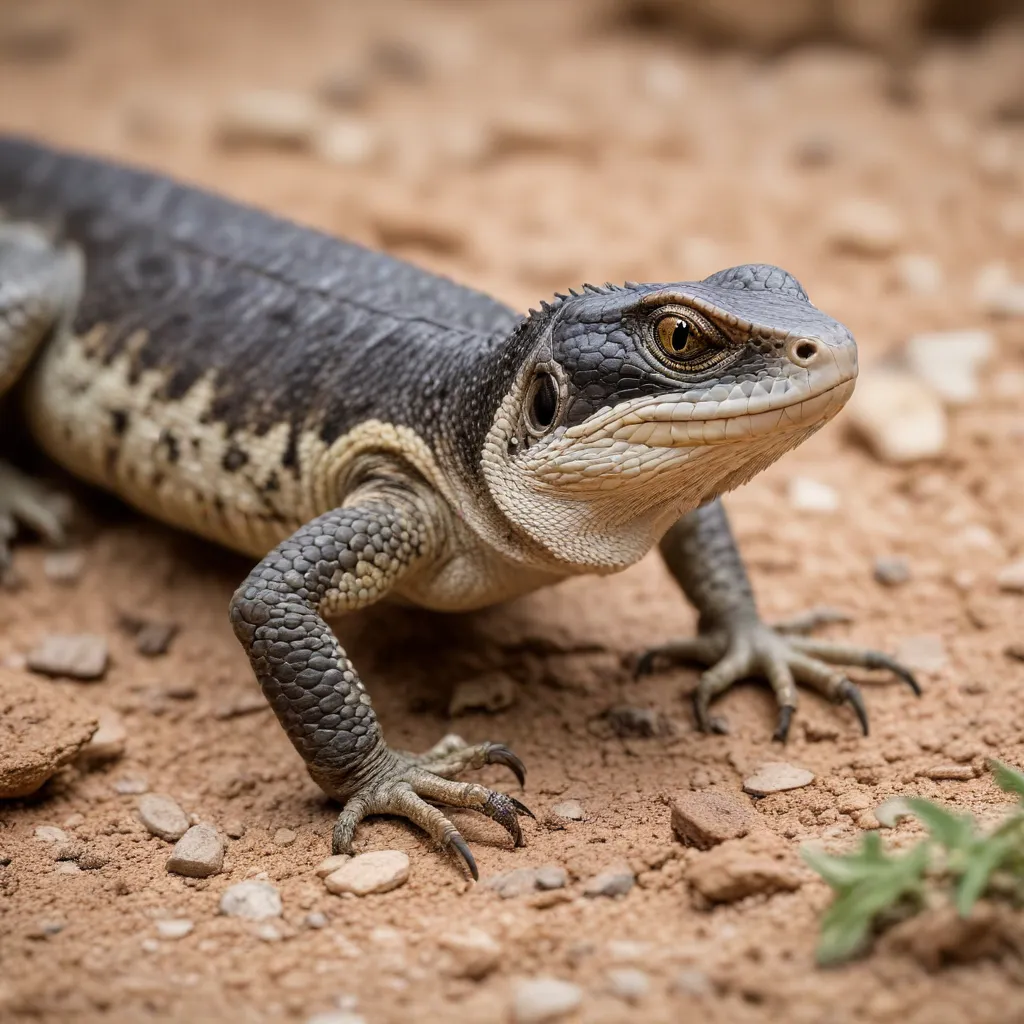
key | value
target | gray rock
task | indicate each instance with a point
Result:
(551, 876)
(614, 882)
(692, 982)
(520, 882)
(83, 656)
(163, 817)
(470, 953)
(536, 1000)
(331, 864)
(154, 638)
(366, 873)
(199, 853)
(253, 900)
(891, 572)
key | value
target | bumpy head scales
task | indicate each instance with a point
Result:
(635, 404)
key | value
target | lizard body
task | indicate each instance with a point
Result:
(385, 433)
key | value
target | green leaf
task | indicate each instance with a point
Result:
(953, 831)
(843, 871)
(1008, 779)
(987, 856)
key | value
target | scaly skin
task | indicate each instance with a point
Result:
(383, 432)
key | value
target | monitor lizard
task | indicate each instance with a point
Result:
(384, 432)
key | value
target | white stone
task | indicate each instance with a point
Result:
(254, 900)
(536, 1000)
(108, 741)
(807, 495)
(570, 810)
(331, 864)
(889, 812)
(926, 653)
(949, 361)
(199, 853)
(376, 872)
(163, 817)
(471, 953)
(347, 142)
(174, 928)
(285, 836)
(269, 117)
(997, 292)
(50, 834)
(628, 983)
(776, 777)
(918, 273)
(864, 226)
(899, 416)
(1010, 578)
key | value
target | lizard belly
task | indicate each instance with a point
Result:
(168, 458)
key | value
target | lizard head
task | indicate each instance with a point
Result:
(634, 405)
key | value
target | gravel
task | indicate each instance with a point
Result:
(163, 817)
(892, 572)
(199, 853)
(776, 777)
(83, 656)
(707, 818)
(376, 872)
(616, 881)
(254, 900)
(540, 999)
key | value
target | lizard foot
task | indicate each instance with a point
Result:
(409, 785)
(757, 649)
(25, 502)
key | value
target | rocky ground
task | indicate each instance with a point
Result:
(172, 868)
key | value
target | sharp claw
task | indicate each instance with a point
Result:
(907, 676)
(850, 693)
(522, 808)
(785, 720)
(500, 754)
(645, 664)
(462, 847)
(706, 722)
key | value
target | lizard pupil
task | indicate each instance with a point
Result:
(680, 336)
(544, 402)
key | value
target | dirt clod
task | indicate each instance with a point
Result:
(707, 818)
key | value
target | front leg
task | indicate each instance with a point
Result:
(340, 561)
(701, 554)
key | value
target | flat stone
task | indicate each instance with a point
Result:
(806, 495)
(199, 853)
(331, 864)
(520, 882)
(163, 817)
(926, 653)
(131, 786)
(254, 900)
(889, 812)
(234, 829)
(629, 984)
(776, 777)
(891, 572)
(493, 692)
(707, 818)
(1011, 578)
(154, 638)
(614, 882)
(899, 416)
(64, 567)
(41, 730)
(551, 876)
(269, 118)
(174, 928)
(540, 999)
(336, 1017)
(949, 361)
(83, 656)
(108, 741)
(50, 834)
(569, 810)
(758, 864)
(949, 772)
(285, 837)
(376, 872)
(864, 227)
(471, 953)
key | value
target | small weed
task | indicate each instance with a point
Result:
(956, 859)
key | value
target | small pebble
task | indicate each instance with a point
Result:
(806, 495)
(864, 227)
(899, 416)
(315, 919)
(108, 741)
(150, 946)
(926, 653)
(51, 834)
(629, 984)
(889, 812)
(346, 143)
(570, 810)
(64, 567)
(67, 868)
(269, 117)
(81, 657)
(285, 837)
(163, 817)
(692, 982)
(129, 786)
(520, 882)
(536, 1000)
(492, 692)
(615, 882)
(199, 853)
(175, 928)
(776, 777)
(331, 864)
(253, 900)
(249, 704)
(919, 274)
(234, 829)
(892, 572)
(949, 362)
(336, 1017)
(154, 638)
(376, 872)
(706, 818)
(268, 933)
(551, 876)
(626, 720)
(471, 953)
(1011, 578)
(950, 772)
(997, 293)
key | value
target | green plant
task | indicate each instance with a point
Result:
(956, 858)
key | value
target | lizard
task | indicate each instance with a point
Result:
(371, 431)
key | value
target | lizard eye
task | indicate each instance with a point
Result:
(679, 338)
(686, 340)
(541, 403)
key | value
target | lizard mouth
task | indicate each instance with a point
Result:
(675, 422)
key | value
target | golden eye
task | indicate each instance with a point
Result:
(679, 338)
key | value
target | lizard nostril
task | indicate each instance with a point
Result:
(805, 351)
